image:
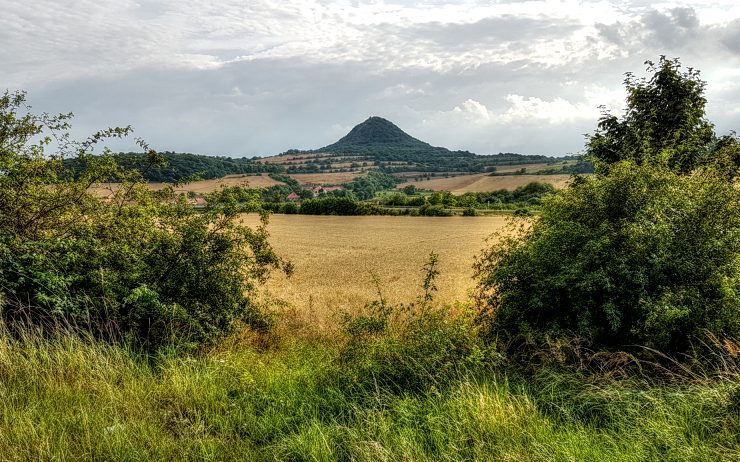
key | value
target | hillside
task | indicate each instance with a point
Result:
(377, 143)
(184, 165)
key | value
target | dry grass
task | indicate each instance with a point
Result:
(482, 182)
(200, 187)
(325, 178)
(531, 168)
(335, 258)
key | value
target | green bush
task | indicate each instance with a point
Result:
(438, 210)
(642, 256)
(139, 264)
(644, 252)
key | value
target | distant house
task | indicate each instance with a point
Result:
(293, 196)
(324, 189)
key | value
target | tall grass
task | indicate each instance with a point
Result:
(64, 397)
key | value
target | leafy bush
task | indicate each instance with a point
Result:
(332, 205)
(136, 263)
(641, 256)
(438, 210)
(644, 252)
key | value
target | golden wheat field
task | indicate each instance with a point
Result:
(482, 182)
(335, 259)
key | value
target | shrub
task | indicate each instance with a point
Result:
(438, 210)
(138, 263)
(643, 256)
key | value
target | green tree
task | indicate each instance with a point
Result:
(664, 123)
(645, 251)
(139, 264)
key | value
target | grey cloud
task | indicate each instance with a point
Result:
(677, 27)
(731, 36)
(612, 33)
(505, 28)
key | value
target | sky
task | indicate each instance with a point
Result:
(259, 77)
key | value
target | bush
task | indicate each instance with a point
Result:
(643, 256)
(438, 210)
(332, 205)
(141, 264)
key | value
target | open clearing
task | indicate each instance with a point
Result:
(482, 182)
(335, 258)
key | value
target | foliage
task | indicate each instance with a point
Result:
(641, 256)
(183, 166)
(523, 196)
(365, 187)
(140, 264)
(645, 252)
(581, 166)
(664, 123)
(332, 205)
(437, 210)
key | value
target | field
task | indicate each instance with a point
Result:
(483, 182)
(335, 258)
(325, 178)
(204, 186)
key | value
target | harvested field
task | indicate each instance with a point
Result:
(335, 258)
(530, 168)
(253, 181)
(204, 186)
(325, 178)
(482, 182)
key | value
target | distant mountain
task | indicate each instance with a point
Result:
(377, 133)
(383, 139)
(375, 144)
(379, 143)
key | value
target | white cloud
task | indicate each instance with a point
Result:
(556, 111)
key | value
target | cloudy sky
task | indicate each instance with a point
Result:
(258, 77)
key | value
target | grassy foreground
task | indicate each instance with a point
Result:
(72, 399)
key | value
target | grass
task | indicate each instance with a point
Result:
(336, 257)
(66, 398)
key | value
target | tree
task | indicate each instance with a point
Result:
(664, 123)
(645, 251)
(136, 263)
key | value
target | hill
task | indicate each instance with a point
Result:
(184, 165)
(375, 144)
(378, 143)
